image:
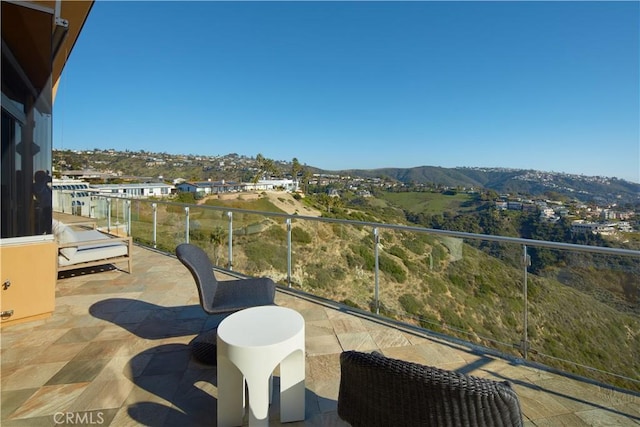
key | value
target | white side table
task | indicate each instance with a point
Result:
(250, 345)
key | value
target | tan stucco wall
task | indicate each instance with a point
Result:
(31, 272)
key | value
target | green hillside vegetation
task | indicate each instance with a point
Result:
(260, 204)
(462, 288)
(430, 202)
(509, 181)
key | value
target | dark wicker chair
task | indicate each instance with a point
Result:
(220, 297)
(379, 391)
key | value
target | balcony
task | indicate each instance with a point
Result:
(116, 352)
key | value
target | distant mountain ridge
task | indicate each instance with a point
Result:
(504, 180)
(233, 166)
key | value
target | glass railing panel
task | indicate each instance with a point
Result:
(322, 263)
(259, 245)
(477, 286)
(580, 313)
(62, 201)
(141, 228)
(447, 284)
(584, 310)
(100, 211)
(171, 226)
(209, 229)
(117, 221)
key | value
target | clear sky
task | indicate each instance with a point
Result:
(552, 86)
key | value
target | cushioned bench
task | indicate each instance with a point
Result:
(89, 248)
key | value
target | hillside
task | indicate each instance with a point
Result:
(148, 166)
(270, 201)
(532, 182)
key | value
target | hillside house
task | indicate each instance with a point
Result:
(147, 189)
(203, 188)
(581, 226)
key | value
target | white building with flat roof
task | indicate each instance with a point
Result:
(592, 227)
(71, 196)
(138, 190)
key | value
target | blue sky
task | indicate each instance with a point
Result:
(552, 86)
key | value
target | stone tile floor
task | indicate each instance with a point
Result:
(115, 352)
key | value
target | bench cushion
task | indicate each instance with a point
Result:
(64, 234)
(93, 251)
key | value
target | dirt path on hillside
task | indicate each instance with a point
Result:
(280, 199)
(287, 203)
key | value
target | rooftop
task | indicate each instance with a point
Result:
(116, 352)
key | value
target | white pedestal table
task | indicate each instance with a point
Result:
(251, 343)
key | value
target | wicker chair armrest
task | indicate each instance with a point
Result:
(380, 391)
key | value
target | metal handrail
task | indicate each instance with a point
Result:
(400, 227)
(526, 245)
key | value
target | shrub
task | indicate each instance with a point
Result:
(410, 304)
(321, 280)
(185, 197)
(388, 265)
(321, 277)
(415, 245)
(382, 308)
(458, 281)
(453, 319)
(276, 233)
(436, 286)
(196, 235)
(299, 235)
(430, 321)
(398, 251)
(362, 256)
(261, 255)
(439, 254)
(338, 273)
(485, 286)
(415, 267)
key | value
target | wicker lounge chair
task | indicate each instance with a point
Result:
(379, 391)
(220, 297)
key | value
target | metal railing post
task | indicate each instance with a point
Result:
(154, 206)
(376, 239)
(186, 212)
(289, 251)
(524, 344)
(230, 216)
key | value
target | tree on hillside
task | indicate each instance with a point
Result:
(328, 202)
(264, 166)
(259, 172)
(269, 167)
(296, 168)
(489, 195)
(306, 177)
